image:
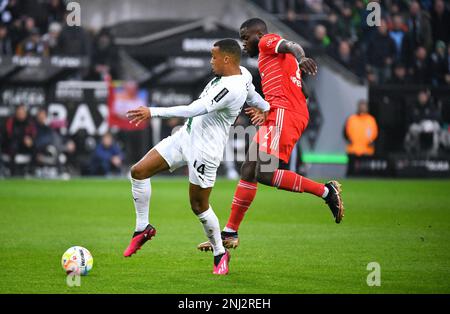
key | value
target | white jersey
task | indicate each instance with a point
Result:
(225, 98)
(200, 143)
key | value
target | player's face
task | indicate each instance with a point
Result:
(250, 39)
(217, 61)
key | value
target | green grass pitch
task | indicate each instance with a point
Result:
(289, 242)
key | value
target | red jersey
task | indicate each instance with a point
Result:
(280, 77)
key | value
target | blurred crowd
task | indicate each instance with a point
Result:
(39, 28)
(31, 145)
(411, 45)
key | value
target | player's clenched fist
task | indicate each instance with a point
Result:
(138, 115)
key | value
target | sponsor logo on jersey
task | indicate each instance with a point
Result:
(220, 95)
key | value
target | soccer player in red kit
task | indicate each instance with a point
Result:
(280, 64)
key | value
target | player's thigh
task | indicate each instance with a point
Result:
(166, 155)
(171, 149)
(149, 165)
(202, 168)
(199, 198)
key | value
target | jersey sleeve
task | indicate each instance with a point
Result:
(196, 108)
(219, 97)
(269, 44)
(255, 100)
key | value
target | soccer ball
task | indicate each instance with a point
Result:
(77, 260)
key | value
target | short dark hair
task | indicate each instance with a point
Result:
(230, 46)
(255, 22)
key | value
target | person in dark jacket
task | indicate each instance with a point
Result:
(20, 133)
(107, 157)
(424, 119)
(381, 52)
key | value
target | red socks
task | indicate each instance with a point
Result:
(282, 179)
(243, 197)
(291, 181)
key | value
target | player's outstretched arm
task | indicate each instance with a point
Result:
(307, 65)
(142, 113)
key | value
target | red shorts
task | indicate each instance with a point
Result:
(280, 133)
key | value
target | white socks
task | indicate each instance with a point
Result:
(212, 230)
(141, 190)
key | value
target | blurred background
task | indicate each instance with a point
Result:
(379, 106)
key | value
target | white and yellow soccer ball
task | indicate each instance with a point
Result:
(77, 260)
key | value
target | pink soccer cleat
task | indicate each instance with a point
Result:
(139, 239)
(221, 266)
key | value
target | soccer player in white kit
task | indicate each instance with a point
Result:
(199, 144)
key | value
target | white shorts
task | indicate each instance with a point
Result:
(177, 151)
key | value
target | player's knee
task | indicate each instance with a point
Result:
(137, 173)
(264, 177)
(248, 171)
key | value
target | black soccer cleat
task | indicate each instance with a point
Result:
(334, 200)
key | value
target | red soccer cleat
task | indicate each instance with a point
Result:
(139, 239)
(221, 267)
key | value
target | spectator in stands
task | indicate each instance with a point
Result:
(20, 133)
(321, 39)
(75, 41)
(51, 39)
(55, 11)
(345, 57)
(397, 33)
(30, 27)
(6, 46)
(424, 125)
(33, 45)
(447, 65)
(439, 61)
(361, 131)
(381, 53)
(105, 57)
(421, 69)
(48, 143)
(419, 28)
(371, 77)
(17, 33)
(344, 54)
(276, 6)
(345, 27)
(399, 75)
(9, 13)
(440, 22)
(107, 157)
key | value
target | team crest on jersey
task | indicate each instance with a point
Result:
(270, 41)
